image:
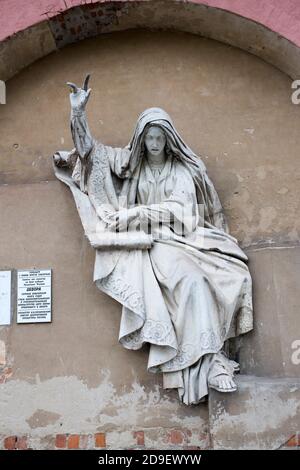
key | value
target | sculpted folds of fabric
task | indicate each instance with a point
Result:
(182, 280)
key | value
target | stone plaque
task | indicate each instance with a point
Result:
(5, 297)
(34, 296)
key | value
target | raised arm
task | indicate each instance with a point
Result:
(82, 138)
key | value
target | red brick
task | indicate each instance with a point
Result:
(73, 441)
(5, 374)
(294, 441)
(21, 443)
(61, 441)
(10, 442)
(100, 440)
(176, 437)
(140, 437)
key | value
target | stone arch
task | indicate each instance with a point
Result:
(267, 29)
(274, 262)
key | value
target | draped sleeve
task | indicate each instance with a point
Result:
(214, 207)
(81, 135)
(207, 195)
(87, 147)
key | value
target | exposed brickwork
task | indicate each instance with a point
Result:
(61, 441)
(100, 440)
(150, 439)
(282, 17)
(5, 374)
(140, 438)
(73, 441)
(15, 442)
(85, 21)
(21, 443)
(178, 437)
(10, 442)
(294, 441)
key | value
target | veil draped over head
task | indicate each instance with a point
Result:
(206, 193)
(160, 304)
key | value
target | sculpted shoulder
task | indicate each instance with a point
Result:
(182, 172)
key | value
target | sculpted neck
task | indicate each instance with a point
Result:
(157, 159)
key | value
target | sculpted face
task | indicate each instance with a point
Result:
(155, 141)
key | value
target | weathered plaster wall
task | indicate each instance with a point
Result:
(229, 106)
(264, 414)
(234, 110)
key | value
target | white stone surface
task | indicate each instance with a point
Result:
(190, 290)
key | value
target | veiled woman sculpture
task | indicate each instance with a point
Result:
(182, 280)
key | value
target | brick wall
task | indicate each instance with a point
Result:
(151, 438)
(176, 439)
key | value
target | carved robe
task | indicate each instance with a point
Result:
(187, 291)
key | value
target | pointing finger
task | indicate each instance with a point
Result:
(86, 82)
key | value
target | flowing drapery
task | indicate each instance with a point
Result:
(189, 290)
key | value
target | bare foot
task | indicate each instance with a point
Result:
(223, 383)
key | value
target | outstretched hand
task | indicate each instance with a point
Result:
(79, 96)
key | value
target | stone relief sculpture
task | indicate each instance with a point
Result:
(162, 248)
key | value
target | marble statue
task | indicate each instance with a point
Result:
(162, 249)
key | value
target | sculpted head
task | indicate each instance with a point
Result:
(155, 141)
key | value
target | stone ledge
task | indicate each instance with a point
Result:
(263, 414)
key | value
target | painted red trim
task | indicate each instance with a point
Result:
(283, 17)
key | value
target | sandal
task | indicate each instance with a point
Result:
(222, 367)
